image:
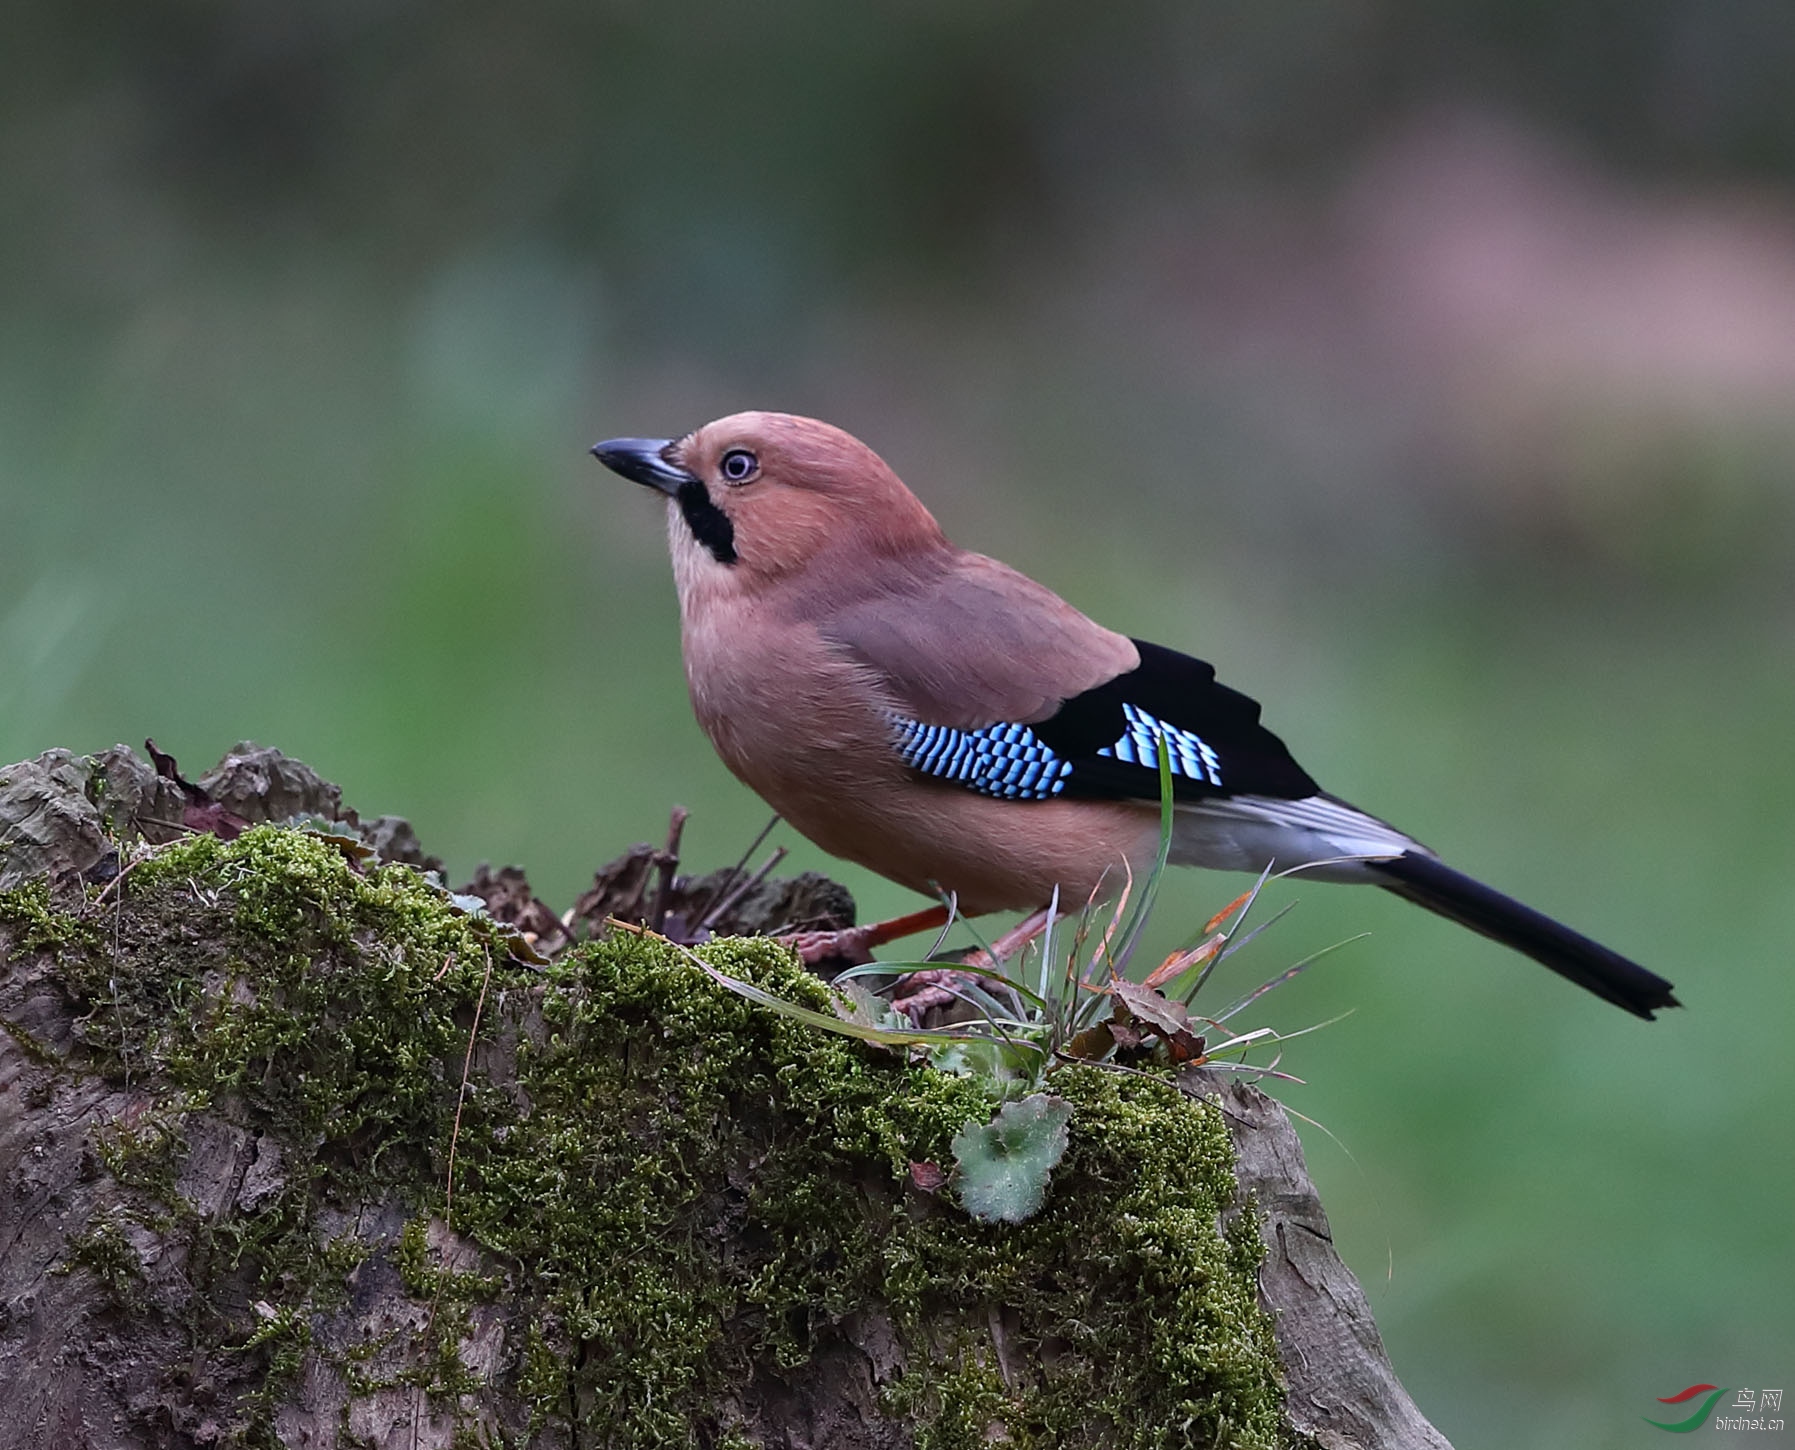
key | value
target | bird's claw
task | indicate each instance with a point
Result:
(849, 947)
(921, 992)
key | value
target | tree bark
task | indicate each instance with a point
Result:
(1343, 1391)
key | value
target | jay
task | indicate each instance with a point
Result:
(945, 721)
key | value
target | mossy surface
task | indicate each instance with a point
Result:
(37, 925)
(675, 1195)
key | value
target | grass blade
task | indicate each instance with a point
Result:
(866, 1031)
(1285, 976)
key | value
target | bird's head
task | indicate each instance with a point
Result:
(756, 497)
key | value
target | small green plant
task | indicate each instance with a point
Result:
(1003, 1164)
(1060, 1002)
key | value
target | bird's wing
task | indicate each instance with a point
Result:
(1104, 743)
(1002, 687)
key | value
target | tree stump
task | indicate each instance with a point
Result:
(298, 1151)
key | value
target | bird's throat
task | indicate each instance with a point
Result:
(708, 523)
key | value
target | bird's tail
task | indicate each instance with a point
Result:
(1426, 882)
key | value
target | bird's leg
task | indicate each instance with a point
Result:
(1015, 939)
(854, 945)
(921, 991)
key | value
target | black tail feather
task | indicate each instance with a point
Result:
(1426, 882)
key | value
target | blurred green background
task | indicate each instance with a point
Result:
(1429, 367)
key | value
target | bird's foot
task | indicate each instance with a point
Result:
(916, 993)
(852, 946)
(829, 952)
(920, 993)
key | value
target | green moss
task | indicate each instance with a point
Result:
(266, 981)
(688, 1190)
(451, 1298)
(332, 1014)
(671, 1118)
(280, 1342)
(104, 1250)
(39, 927)
(420, 1274)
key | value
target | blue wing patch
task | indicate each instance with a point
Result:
(1013, 763)
(1007, 761)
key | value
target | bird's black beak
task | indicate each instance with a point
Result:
(643, 460)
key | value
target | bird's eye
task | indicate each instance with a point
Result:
(739, 465)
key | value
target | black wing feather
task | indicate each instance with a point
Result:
(1181, 692)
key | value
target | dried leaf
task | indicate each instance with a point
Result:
(263, 784)
(1179, 963)
(617, 890)
(508, 898)
(355, 850)
(212, 819)
(1153, 1009)
(1122, 1028)
(723, 903)
(199, 813)
(1229, 910)
(929, 1177)
(1093, 1044)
